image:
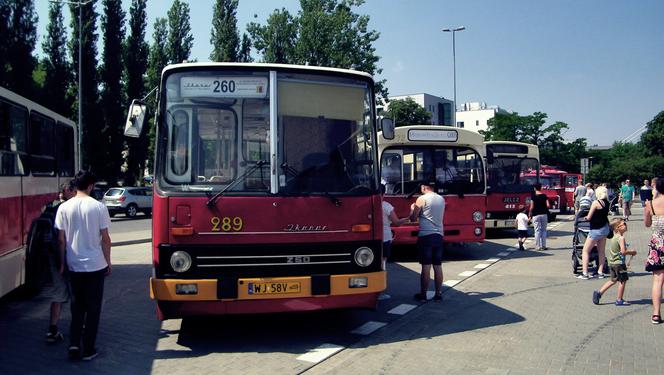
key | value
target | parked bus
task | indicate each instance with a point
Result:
(508, 190)
(37, 154)
(266, 191)
(453, 158)
(559, 187)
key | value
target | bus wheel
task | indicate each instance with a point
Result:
(36, 261)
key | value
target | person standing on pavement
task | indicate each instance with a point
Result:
(645, 193)
(598, 216)
(85, 249)
(579, 192)
(429, 210)
(60, 292)
(539, 214)
(627, 193)
(653, 184)
(618, 270)
(389, 217)
(522, 227)
(590, 191)
(653, 217)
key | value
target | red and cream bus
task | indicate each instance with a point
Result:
(508, 190)
(452, 157)
(37, 153)
(559, 187)
(266, 191)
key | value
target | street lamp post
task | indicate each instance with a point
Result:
(453, 31)
(80, 5)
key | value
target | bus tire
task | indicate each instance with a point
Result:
(36, 260)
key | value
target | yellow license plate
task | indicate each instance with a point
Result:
(273, 288)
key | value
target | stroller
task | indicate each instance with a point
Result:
(581, 230)
(614, 205)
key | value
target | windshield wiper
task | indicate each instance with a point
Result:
(240, 178)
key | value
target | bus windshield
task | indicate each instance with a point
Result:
(456, 170)
(218, 131)
(506, 174)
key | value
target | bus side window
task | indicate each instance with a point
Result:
(180, 143)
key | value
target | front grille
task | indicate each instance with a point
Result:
(215, 261)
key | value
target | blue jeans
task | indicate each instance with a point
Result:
(539, 223)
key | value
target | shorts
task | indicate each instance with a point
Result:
(618, 272)
(430, 249)
(387, 249)
(577, 204)
(627, 207)
(598, 234)
(523, 233)
(60, 291)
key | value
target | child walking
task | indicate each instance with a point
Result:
(522, 227)
(616, 259)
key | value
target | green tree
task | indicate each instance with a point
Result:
(244, 55)
(180, 39)
(503, 127)
(57, 69)
(112, 99)
(22, 39)
(136, 61)
(277, 38)
(157, 60)
(5, 14)
(653, 137)
(91, 120)
(324, 33)
(224, 37)
(407, 112)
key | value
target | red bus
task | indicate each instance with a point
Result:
(266, 191)
(508, 190)
(37, 154)
(452, 157)
(559, 186)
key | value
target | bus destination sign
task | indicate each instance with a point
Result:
(433, 135)
(223, 87)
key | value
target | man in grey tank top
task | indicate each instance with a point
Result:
(429, 210)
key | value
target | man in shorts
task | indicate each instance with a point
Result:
(627, 195)
(60, 292)
(429, 210)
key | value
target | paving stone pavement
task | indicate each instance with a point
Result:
(523, 314)
(528, 315)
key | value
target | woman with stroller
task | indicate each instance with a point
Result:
(598, 216)
(653, 217)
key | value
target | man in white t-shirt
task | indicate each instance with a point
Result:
(85, 249)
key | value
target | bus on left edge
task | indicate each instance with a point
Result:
(37, 153)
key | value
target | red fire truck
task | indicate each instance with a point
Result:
(508, 188)
(559, 187)
(266, 191)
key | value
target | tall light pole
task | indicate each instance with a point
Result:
(80, 5)
(453, 31)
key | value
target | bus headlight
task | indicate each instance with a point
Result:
(478, 231)
(477, 216)
(364, 256)
(180, 261)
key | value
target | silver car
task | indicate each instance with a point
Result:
(128, 200)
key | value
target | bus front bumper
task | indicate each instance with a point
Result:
(179, 297)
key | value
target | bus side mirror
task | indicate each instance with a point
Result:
(387, 125)
(135, 119)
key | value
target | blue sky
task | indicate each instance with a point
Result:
(597, 65)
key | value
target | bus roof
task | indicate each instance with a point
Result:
(33, 106)
(265, 66)
(431, 135)
(531, 149)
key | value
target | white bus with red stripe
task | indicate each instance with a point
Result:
(37, 154)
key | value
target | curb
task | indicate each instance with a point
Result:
(131, 242)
